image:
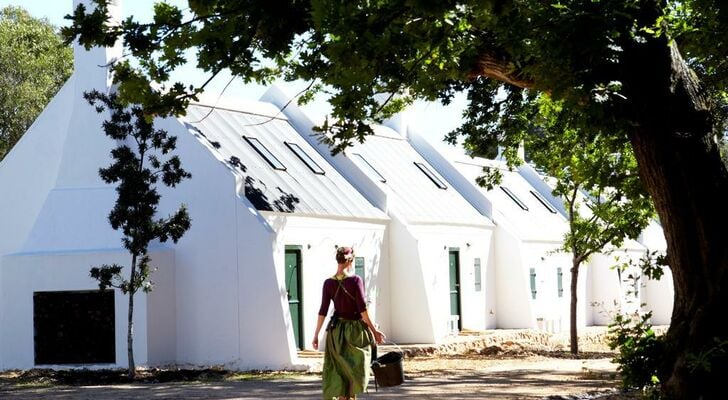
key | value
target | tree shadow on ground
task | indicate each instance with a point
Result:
(514, 384)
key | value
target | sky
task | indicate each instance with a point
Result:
(432, 120)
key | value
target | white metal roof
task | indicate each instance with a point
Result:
(297, 189)
(536, 222)
(549, 183)
(410, 192)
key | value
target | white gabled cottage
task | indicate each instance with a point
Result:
(609, 289)
(532, 277)
(240, 289)
(292, 209)
(440, 247)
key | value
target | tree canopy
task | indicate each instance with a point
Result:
(34, 63)
(649, 74)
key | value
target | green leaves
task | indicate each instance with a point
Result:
(34, 64)
(135, 171)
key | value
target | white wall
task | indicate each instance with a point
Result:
(420, 279)
(35, 158)
(206, 273)
(410, 306)
(552, 311)
(658, 295)
(317, 238)
(612, 291)
(32, 272)
(162, 309)
(513, 293)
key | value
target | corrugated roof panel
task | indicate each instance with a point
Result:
(535, 223)
(297, 189)
(411, 193)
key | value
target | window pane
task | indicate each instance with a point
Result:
(310, 163)
(560, 281)
(359, 267)
(543, 201)
(265, 153)
(478, 282)
(533, 283)
(431, 175)
(372, 171)
(514, 198)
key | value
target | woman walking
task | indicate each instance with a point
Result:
(349, 334)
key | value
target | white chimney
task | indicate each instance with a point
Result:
(91, 66)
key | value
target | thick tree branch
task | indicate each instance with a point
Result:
(499, 68)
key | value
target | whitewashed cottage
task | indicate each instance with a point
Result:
(440, 248)
(240, 289)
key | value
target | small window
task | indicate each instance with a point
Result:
(476, 271)
(359, 267)
(514, 198)
(533, 283)
(368, 167)
(560, 281)
(543, 201)
(431, 175)
(265, 153)
(310, 163)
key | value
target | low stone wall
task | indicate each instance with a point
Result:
(591, 339)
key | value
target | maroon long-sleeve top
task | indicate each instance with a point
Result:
(348, 306)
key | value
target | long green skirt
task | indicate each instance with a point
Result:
(346, 359)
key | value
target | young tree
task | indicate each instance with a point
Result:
(592, 170)
(650, 73)
(136, 169)
(616, 206)
(34, 63)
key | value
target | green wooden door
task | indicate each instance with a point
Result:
(293, 288)
(455, 286)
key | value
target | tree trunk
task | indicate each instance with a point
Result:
(573, 334)
(130, 325)
(679, 163)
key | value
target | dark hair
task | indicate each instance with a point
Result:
(343, 254)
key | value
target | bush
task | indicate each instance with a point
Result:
(640, 352)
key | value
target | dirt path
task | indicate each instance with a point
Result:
(456, 377)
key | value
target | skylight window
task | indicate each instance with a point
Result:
(431, 175)
(372, 171)
(514, 198)
(543, 201)
(265, 153)
(310, 163)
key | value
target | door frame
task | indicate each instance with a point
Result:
(296, 249)
(456, 251)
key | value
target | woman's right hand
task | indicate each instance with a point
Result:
(315, 343)
(379, 336)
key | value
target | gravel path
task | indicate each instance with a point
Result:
(455, 377)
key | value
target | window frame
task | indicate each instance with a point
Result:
(544, 202)
(477, 271)
(431, 175)
(363, 267)
(263, 151)
(305, 158)
(370, 167)
(515, 198)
